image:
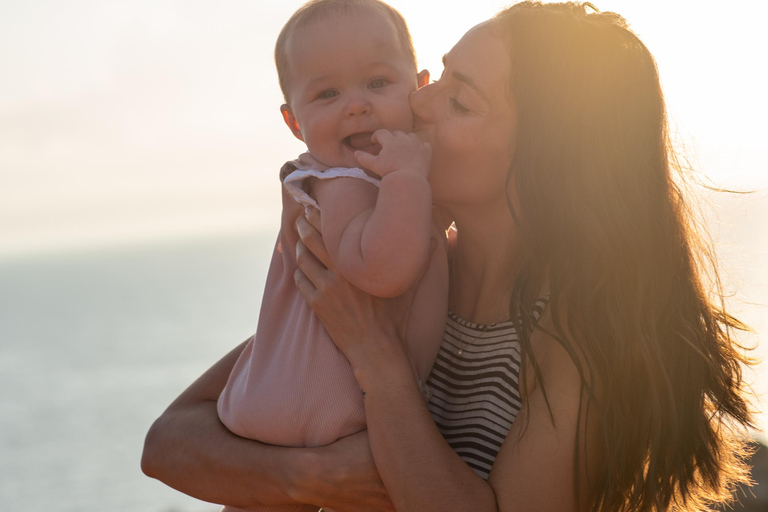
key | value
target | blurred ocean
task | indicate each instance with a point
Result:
(94, 345)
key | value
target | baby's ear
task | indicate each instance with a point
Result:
(290, 121)
(422, 78)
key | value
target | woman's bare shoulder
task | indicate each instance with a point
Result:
(535, 466)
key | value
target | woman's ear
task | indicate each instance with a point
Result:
(423, 78)
(290, 121)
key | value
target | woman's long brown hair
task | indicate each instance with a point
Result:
(634, 293)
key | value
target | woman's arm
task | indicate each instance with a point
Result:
(189, 449)
(534, 470)
(419, 469)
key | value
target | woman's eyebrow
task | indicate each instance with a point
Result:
(466, 80)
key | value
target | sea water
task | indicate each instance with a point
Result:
(94, 345)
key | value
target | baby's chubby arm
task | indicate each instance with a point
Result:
(380, 241)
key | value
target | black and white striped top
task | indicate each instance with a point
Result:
(475, 392)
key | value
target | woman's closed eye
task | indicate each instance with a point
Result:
(458, 107)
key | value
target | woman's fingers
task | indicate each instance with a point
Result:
(312, 215)
(307, 161)
(356, 481)
(313, 241)
(310, 268)
(306, 287)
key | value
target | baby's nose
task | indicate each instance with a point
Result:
(357, 105)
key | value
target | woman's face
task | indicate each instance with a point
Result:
(469, 118)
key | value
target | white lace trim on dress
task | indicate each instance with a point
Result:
(294, 180)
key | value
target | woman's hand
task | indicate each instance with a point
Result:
(353, 483)
(350, 316)
(368, 330)
(420, 470)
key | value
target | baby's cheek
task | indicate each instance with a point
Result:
(321, 150)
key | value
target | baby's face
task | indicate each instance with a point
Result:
(348, 77)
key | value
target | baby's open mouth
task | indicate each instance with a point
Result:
(362, 142)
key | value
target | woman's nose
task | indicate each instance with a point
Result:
(421, 102)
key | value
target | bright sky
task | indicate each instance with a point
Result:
(142, 119)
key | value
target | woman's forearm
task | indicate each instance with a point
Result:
(189, 449)
(420, 470)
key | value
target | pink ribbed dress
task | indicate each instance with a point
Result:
(291, 386)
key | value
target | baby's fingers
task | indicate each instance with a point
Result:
(381, 136)
(366, 160)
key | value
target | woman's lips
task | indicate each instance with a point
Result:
(362, 142)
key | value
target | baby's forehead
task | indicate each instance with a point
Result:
(341, 34)
(365, 39)
(319, 29)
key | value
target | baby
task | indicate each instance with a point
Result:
(346, 69)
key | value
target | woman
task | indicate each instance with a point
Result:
(550, 155)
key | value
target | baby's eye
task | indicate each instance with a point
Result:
(330, 93)
(377, 83)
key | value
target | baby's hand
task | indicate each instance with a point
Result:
(400, 151)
